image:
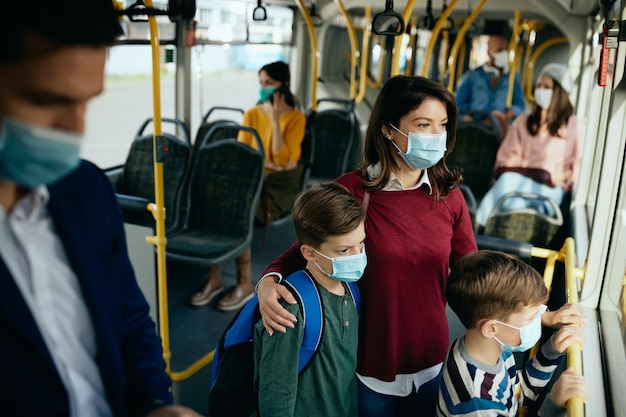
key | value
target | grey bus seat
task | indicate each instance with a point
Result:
(533, 219)
(136, 182)
(475, 152)
(222, 197)
(336, 132)
(206, 125)
(472, 205)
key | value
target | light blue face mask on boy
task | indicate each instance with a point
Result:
(529, 334)
(346, 268)
(33, 155)
(265, 93)
(423, 150)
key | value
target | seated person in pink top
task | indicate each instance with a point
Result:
(541, 152)
(281, 129)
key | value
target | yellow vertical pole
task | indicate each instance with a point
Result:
(513, 47)
(365, 48)
(575, 405)
(433, 37)
(158, 208)
(314, 52)
(354, 52)
(460, 38)
(397, 44)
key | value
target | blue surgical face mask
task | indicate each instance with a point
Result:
(529, 334)
(423, 150)
(265, 93)
(33, 155)
(346, 268)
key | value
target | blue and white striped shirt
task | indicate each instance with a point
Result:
(471, 388)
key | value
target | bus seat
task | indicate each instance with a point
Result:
(335, 131)
(472, 206)
(137, 178)
(222, 197)
(206, 125)
(475, 152)
(530, 218)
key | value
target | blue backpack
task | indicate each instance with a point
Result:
(232, 378)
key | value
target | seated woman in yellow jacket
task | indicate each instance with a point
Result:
(281, 127)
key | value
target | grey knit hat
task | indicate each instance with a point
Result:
(560, 74)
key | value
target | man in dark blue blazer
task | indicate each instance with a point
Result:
(76, 338)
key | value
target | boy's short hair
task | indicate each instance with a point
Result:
(325, 210)
(64, 23)
(492, 284)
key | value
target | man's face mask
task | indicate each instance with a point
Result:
(501, 61)
(32, 155)
(423, 150)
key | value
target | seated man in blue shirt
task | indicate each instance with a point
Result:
(486, 88)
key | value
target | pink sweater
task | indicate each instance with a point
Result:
(411, 242)
(558, 155)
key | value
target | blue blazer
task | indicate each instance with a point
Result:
(89, 222)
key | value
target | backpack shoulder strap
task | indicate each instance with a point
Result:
(356, 295)
(306, 293)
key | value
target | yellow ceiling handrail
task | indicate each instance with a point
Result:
(435, 35)
(397, 44)
(314, 52)
(460, 37)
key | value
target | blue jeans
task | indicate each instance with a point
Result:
(512, 181)
(420, 403)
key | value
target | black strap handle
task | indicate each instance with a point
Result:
(259, 13)
(388, 13)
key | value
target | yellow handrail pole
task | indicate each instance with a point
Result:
(575, 405)
(408, 70)
(397, 43)
(460, 37)
(379, 77)
(435, 34)
(365, 48)
(158, 208)
(545, 45)
(354, 52)
(314, 53)
(513, 47)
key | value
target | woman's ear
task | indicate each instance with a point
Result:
(386, 131)
(307, 252)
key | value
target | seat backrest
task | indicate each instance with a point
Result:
(472, 206)
(137, 177)
(475, 152)
(334, 130)
(525, 217)
(224, 188)
(206, 125)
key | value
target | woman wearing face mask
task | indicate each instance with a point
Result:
(281, 128)
(542, 151)
(417, 227)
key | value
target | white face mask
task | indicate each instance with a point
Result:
(501, 60)
(543, 97)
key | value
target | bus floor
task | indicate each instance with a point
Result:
(195, 331)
